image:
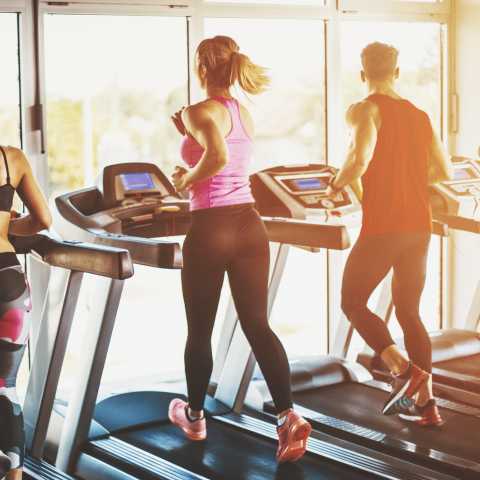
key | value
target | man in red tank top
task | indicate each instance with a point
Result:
(396, 155)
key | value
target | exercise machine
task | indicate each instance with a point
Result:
(128, 434)
(340, 397)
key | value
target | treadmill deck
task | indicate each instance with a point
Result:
(361, 405)
(233, 455)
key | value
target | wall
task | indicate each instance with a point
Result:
(465, 251)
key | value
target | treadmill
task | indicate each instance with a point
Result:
(128, 435)
(339, 397)
(456, 352)
(78, 258)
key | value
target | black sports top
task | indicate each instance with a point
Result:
(6, 191)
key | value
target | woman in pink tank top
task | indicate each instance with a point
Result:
(227, 236)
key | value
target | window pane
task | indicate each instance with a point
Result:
(295, 132)
(301, 324)
(112, 83)
(10, 89)
(290, 128)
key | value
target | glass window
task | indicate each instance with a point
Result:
(10, 90)
(289, 118)
(290, 129)
(299, 315)
(112, 83)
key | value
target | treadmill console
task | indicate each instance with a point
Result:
(301, 192)
(459, 196)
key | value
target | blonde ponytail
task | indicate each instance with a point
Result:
(224, 66)
(252, 78)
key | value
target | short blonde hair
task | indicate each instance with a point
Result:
(225, 65)
(379, 60)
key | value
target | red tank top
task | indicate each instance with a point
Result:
(395, 185)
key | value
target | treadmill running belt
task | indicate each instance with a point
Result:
(466, 365)
(229, 454)
(361, 404)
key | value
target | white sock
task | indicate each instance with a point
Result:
(281, 420)
(194, 416)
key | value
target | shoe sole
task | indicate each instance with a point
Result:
(401, 393)
(195, 437)
(296, 443)
(418, 420)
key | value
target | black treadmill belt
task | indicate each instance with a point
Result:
(361, 405)
(229, 454)
(466, 365)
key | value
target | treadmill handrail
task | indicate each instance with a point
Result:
(144, 251)
(101, 260)
(69, 211)
(440, 229)
(456, 222)
(305, 233)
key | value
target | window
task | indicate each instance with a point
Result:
(300, 315)
(10, 90)
(290, 129)
(112, 83)
(294, 133)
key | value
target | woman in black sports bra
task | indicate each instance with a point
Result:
(15, 175)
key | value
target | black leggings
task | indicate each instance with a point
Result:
(14, 302)
(369, 262)
(229, 239)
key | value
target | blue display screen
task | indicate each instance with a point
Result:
(137, 181)
(312, 183)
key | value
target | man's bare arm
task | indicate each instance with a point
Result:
(361, 118)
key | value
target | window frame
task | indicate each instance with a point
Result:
(395, 7)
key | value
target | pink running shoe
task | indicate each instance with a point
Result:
(292, 438)
(177, 413)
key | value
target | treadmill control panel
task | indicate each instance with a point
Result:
(301, 192)
(459, 196)
(141, 201)
(311, 190)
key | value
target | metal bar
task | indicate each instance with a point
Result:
(46, 369)
(226, 335)
(82, 404)
(240, 362)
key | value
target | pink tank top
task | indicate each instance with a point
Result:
(230, 186)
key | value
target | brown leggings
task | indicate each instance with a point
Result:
(370, 260)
